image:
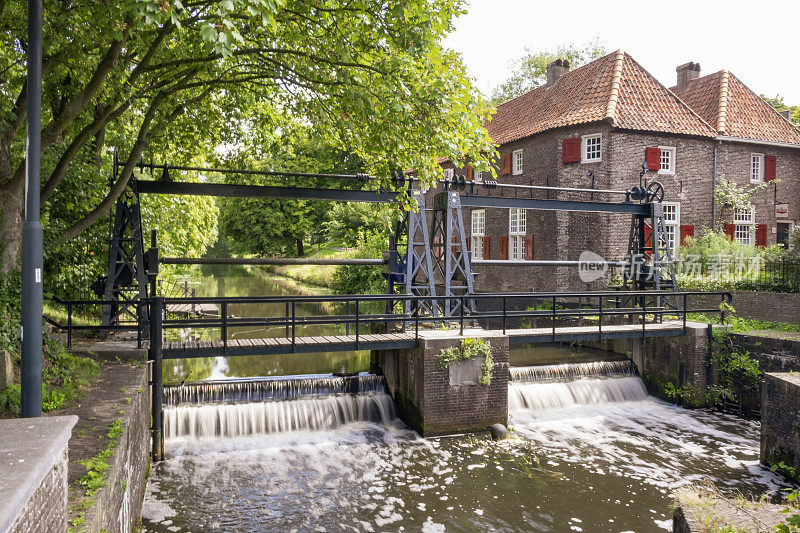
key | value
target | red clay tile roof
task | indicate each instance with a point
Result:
(736, 111)
(614, 89)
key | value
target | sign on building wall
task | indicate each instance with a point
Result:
(781, 210)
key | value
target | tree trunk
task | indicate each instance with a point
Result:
(299, 247)
(12, 202)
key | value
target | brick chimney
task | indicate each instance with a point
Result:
(556, 69)
(686, 73)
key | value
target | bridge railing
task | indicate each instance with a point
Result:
(75, 316)
(356, 313)
(492, 311)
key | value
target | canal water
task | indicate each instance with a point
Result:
(589, 451)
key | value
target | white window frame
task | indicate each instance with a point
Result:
(449, 173)
(667, 165)
(756, 168)
(672, 225)
(585, 139)
(516, 234)
(744, 221)
(478, 232)
(478, 176)
(516, 162)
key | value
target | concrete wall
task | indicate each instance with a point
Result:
(780, 420)
(434, 401)
(33, 473)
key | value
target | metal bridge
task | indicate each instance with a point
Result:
(427, 258)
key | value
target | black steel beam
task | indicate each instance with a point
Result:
(269, 261)
(555, 205)
(263, 191)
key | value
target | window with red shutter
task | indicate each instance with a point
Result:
(504, 247)
(653, 158)
(506, 164)
(687, 230)
(730, 230)
(770, 166)
(529, 247)
(469, 172)
(571, 150)
(487, 248)
(761, 235)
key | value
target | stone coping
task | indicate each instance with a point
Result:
(790, 377)
(29, 447)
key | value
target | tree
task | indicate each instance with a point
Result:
(729, 197)
(530, 70)
(779, 105)
(136, 74)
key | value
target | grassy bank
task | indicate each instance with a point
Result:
(318, 275)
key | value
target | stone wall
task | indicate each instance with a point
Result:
(117, 506)
(33, 474)
(434, 401)
(780, 420)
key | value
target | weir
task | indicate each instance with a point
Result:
(558, 386)
(260, 407)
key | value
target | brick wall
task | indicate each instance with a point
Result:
(434, 402)
(46, 510)
(563, 235)
(117, 506)
(780, 420)
(767, 306)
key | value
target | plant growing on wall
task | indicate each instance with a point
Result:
(729, 196)
(738, 371)
(468, 349)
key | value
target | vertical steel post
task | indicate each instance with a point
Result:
(31, 330)
(357, 323)
(69, 324)
(224, 327)
(287, 318)
(156, 310)
(504, 315)
(600, 318)
(293, 326)
(461, 318)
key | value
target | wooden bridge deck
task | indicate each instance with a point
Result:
(393, 341)
(198, 309)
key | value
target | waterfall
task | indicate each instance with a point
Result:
(569, 371)
(553, 386)
(281, 388)
(260, 407)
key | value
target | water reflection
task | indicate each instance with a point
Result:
(240, 282)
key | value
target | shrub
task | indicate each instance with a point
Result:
(358, 279)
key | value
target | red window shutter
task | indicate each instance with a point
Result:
(648, 239)
(653, 158)
(761, 235)
(453, 247)
(687, 230)
(730, 230)
(504, 247)
(487, 248)
(529, 247)
(469, 243)
(770, 166)
(506, 164)
(571, 150)
(469, 172)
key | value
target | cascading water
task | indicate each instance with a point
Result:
(258, 407)
(555, 386)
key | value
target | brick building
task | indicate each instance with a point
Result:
(591, 127)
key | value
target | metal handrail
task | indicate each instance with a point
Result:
(292, 321)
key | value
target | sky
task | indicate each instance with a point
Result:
(758, 42)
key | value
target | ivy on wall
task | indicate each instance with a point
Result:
(468, 349)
